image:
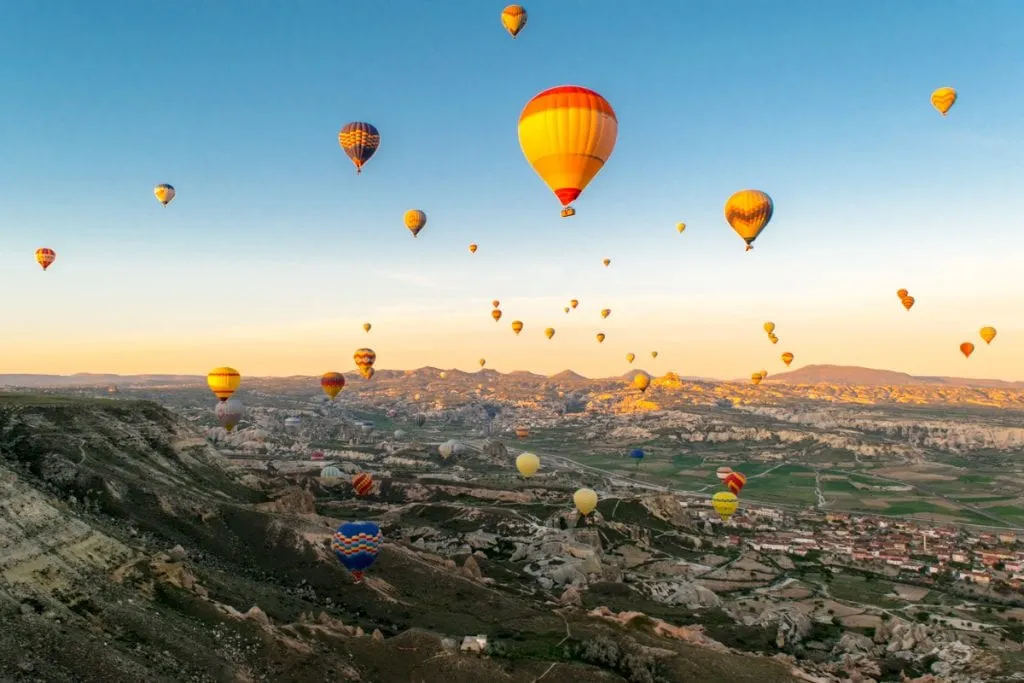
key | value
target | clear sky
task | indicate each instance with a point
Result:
(275, 252)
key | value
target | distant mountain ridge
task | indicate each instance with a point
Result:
(855, 375)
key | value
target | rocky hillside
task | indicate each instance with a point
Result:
(129, 551)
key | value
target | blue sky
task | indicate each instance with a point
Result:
(275, 251)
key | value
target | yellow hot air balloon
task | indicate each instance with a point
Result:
(943, 99)
(680, 227)
(901, 293)
(482, 361)
(549, 333)
(787, 358)
(415, 220)
(908, 302)
(725, 504)
(164, 193)
(527, 464)
(988, 334)
(496, 314)
(364, 360)
(366, 327)
(606, 312)
(748, 212)
(574, 303)
(567, 134)
(654, 354)
(472, 248)
(967, 348)
(585, 501)
(600, 337)
(764, 374)
(517, 326)
(641, 381)
(607, 262)
(513, 18)
(630, 357)
(495, 303)
(332, 383)
(756, 378)
(769, 327)
(223, 381)
(567, 309)
(773, 339)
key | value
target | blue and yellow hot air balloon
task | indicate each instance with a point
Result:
(567, 134)
(356, 545)
(360, 141)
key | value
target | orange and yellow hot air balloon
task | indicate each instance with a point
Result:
(901, 294)
(769, 327)
(366, 327)
(482, 361)
(496, 314)
(908, 302)
(223, 382)
(756, 378)
(517, 326)
(415, 220)
(641, 381)
(549, 332)
(495, 303)
(332, 383)
(600, 337)
(45, 257)
(607, 262)
(630, 357)
(567, 134)
(574, 303)
(365, 358)
(748, 212)
(360, 141)
(787, 358)
(567, 309)
(734, 481)
(513, 18)
(943, 99)
(654, 354)
(605, 312)
(988, 334)
(967, 348)
(522, 432)
(472, 248)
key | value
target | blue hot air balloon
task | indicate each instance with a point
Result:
(356, 545)
(637, 454)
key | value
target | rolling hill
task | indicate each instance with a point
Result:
(855, 375)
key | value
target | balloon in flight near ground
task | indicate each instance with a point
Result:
(229, 413)
(630, 357)
(331, 475)
(517, 326)
(735, 482)
(567, 134)
(967, 348)
(415, 220)
(600, 337)
(513, 18)
(988, 334)
(908, 302)
(943, 99)
(365, 358)
(45, 257)
(332, 383)
(748, 212)
(725, 504)
(360, 141)
(472, 248)
(637, 454)
(522, 432)
(585, 500)
(356, 545)
(496, 314)
(764, 374)
(362, 483)
(641, 381)
(787, 358)
(223, 382)
(723, 472)
(756, 378)
(549, 332)
(527, 464)
(164, 193)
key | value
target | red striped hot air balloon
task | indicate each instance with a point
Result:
(735, 482)
(362, 483)
(332, 383)
(45, 257)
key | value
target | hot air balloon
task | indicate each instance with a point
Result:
(472, 248)
(574, 303)
(517, 326)
(356, 545)
(735, 482)
(513, 18)
(415, 220)
(600, 337)
(360, 141)
(908, 302)
(331, 474)
(421, 419)
(496, 314)
(362, 483)
(654, 354)
(723, 472)
(332, 383)
(567, 309)
(365, 358)
(725, 504)
(567, 134)
(680, 227)
(316, 455)
(164, 193)
(901, 293)
(748, 212)
(764, 374)
(769, 327)
(45, 257)
(367, 327)
(787, 358)
(585, 501)
(482, 361)
(605, 312)
(370, 372)
(641, 381)
(223, 381)
(630, 357)
(527, 464)
(229, 413)
(607, 262)
(756, 378)
(988, 334)
(943, 99)
(967, 348)
(292, 422)
(495, 303)
(522, 432)
(637, 454)
(549, 332)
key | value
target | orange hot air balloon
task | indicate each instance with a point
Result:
(908, 302)
(472, 248)
(522, 432)
(332, 383)
(362, 483)
(365, 358)
(513, 18)
(901, 293)
(600, 337)
(549, 333)
(988, 334)
(787, 358)
(415, 220)
(756, 378)
(45, 257)
(748, 212)
(967, 348)
(495, 303)
(517, 326)
(607, 262)
(496, 314)
(574, 303)
(567, 134)
(606, 312)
